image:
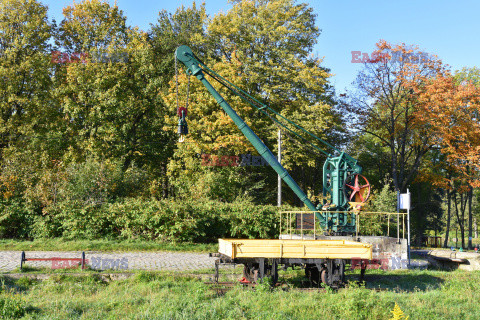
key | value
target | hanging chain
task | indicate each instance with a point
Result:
(188, 92)
(176, 80)
(176, 86)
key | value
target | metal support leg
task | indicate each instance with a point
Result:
(217, 262)
(261, 268)
(274, 272)
(22, 260)
(363, 268)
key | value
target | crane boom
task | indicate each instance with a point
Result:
(185, 55)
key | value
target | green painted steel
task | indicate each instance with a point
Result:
(335, 172)
(336, 168)
(184, 54)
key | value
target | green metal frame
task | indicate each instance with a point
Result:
(336, 169)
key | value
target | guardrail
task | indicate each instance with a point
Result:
(306, 223)
(58, 263)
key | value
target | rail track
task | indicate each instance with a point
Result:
(222, 287)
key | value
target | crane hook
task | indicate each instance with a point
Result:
(182, 123)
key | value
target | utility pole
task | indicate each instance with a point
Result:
(398, 216)
(279, 158)
(408, 227)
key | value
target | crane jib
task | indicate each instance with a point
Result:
(185, 55)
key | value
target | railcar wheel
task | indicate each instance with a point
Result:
(324, 276)
(250, 272)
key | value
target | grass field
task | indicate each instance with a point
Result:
(419, 294)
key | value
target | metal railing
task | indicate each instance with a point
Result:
(289, 222)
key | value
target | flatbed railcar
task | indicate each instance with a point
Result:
(322, 259)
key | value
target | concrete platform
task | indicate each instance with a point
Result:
(447, 259)
(388, 253)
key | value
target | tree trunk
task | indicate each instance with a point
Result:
(475, 227)
(164, 182)
(460, 221)
(470, 218)
(447, 233)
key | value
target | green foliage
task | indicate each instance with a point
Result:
(468, 75)
(384, 200)
(91, 182)
(25, 79)
(12, 305)
(15, 219)
(185, 27)
(139, 219)
(192, 220)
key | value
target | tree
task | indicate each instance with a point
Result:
(111, 99)
(383, 106)
(24, 71)
(469, 76)
(451, 107)
(185, 27)
(211, 132)
(28, 112)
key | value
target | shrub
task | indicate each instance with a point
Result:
(384, 200)
(15, 219)
(134, 218)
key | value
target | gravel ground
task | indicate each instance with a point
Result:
(10, 260)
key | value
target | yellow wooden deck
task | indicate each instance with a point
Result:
(303, 249)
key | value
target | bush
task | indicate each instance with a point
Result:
(134, 218)
(191, 220)
(384, 200)
(15, 219)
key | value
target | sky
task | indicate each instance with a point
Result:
(448, 29)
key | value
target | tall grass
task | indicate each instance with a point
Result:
(420, 295)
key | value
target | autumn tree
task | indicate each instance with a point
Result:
(24, 67)
(27, 110)
(384, 107)
(451, 107)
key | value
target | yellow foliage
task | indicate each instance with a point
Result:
(398, 313)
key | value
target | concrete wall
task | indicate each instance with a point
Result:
(387, 253)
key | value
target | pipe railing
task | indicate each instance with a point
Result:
(289, 219)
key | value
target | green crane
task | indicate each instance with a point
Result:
(342, 182)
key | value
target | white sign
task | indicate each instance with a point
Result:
(404, 201)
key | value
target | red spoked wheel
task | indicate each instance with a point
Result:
(356, 188)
